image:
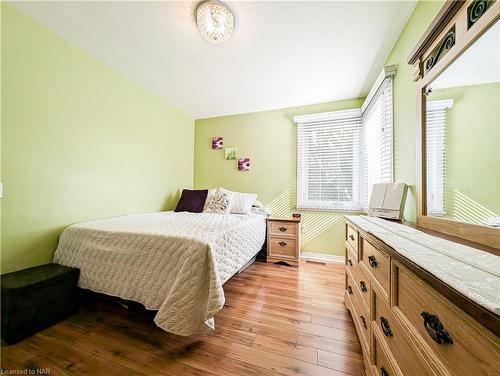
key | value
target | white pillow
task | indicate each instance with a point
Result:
(219, 203)
(258, 204)
(241, 203)
(209, 194)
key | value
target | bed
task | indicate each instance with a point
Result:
(171, 262)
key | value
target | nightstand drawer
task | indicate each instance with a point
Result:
(283, 228)
(282, 247)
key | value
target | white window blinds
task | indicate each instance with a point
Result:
(435, 154)
(341, 154)
(328, 160)
(376, 141)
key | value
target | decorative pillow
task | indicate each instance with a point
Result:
(241, 202)
(192, 201)
(210, 194)
(219, 203)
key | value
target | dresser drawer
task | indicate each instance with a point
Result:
(384, 364)
(282, 247)
(283, 228)
(348, 294)
(364, 284)
(350, 286)
(461, 344)
(352, 237)
(391, 332)
(361, 280)
(378, 264)
(360, 312)
(351, 259)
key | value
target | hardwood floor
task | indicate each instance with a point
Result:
(276, 320)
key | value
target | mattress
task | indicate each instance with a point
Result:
(175, 263)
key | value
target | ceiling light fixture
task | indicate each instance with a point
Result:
(215, 21)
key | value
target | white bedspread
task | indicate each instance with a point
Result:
(473, 272)
(175, 263)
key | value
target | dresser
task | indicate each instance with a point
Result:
(408, 321)
(283, 240)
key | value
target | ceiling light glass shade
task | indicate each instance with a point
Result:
(215, 21)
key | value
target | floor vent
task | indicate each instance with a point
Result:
(315, 262)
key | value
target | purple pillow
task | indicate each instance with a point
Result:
(192, 200)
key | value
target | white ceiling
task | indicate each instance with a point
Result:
(282, 54)
(479, 64)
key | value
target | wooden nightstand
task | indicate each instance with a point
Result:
(283, 240)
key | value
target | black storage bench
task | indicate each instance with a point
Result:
(36, 298)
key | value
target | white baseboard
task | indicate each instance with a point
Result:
(322, 257)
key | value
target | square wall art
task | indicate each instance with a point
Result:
(244, 164)
(230, 153)
(217, 142)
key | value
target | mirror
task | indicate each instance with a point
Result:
(463, 136)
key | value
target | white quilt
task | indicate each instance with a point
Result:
(175, 263)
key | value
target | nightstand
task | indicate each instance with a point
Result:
(283, 240)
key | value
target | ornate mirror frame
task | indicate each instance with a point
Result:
(456, 27)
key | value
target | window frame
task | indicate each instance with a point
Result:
(357, 204)
(302, 176)
(382, 92)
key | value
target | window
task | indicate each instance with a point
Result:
(376, 142)
(341, 154)
(435, 155)
(328, 160)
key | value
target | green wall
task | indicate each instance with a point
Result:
(79, 141)
(268, 138)
(472, 152)
(405, 100)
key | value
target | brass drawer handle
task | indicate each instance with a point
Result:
(349, 262)
(435, 329)
(351, 237)
(386, 328)
(383, 372)
(349, 290)
(364, 322)
(362, 286)
(282, 229)
(282, 243)
(373, 261)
